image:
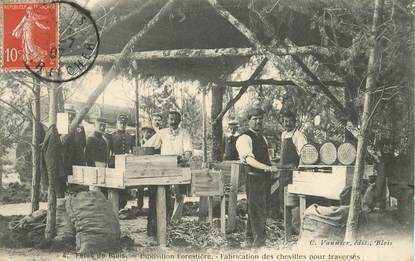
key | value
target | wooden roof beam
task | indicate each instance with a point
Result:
(279, 82)
(202, 53)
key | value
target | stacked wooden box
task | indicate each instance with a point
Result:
(324, 180)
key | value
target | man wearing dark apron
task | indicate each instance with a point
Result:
(292, 140)
(253, 151)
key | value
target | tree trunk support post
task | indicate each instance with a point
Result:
(161, 216)
(233, 196)
(36, 147)
(355, 201)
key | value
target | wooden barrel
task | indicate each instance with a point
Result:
(309, 154)
(346, 153)
(328, 153)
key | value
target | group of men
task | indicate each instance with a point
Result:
(251, 147)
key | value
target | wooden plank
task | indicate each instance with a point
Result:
(207, 182)
(183, 176)
(90, 175)
(303, 206)
(152, 172)
(233, 196)
(114, 197)
(203, 208)
(287, 217)
(210, 209)
(131, 162)
(161, 216)
(222, 216)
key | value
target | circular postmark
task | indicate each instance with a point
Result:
(78, 46)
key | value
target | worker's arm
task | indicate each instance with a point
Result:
(244, 148)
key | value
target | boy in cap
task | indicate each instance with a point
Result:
(252, 148)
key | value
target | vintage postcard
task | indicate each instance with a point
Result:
(209, 130)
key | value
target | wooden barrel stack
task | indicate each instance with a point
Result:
(328, 154)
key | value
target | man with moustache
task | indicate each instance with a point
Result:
(96, 151)
(292, 141)
(175, 140)
(252, 148)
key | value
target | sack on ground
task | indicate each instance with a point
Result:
(96, 224)
(323, 223)
(65, 231)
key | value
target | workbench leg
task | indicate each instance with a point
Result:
(210, 210)
(302, 208)
(178, 205)
(222, 215)
(233, 197)
(161, 216)
(114, 198)
(287, 218)
(203, 209)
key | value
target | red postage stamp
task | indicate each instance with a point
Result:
(30, 36)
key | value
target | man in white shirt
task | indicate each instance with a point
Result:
(252, 148)
(175, 140)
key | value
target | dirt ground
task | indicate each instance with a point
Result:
(143, 247)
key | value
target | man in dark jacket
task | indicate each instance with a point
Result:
(230, 141)
(121, 143)
(96, 147)
(252, 148)
(73, 153)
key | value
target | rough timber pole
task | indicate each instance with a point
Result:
(355, 201)
(36, 147)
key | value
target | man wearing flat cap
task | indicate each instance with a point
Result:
(121, 143)
(230, 141)
(252, 148)
(96, 147)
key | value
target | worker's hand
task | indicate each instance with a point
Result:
(274, 169)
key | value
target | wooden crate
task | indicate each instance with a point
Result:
(225, 167)
(151, 170)
(100, 177)
(207, 182)
(324, 180)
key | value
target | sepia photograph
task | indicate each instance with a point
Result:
(207, 130)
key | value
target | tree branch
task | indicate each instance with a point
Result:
(16, 109)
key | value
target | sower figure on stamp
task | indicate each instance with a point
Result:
(175, 140)
(73, 152)
(292, 141)
(252, 148)
(121, 143)
(230, 141)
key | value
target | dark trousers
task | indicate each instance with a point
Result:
(256, 190)
(60, 187)
(152, 208)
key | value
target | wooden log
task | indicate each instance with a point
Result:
(202, 53)
(222, 215)
(36, 140)
(233, 196)
(114, 198)
(328, 153)
(279, 83)
(161, 216)
(309, 154)
(303, 206)
(346, 153)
